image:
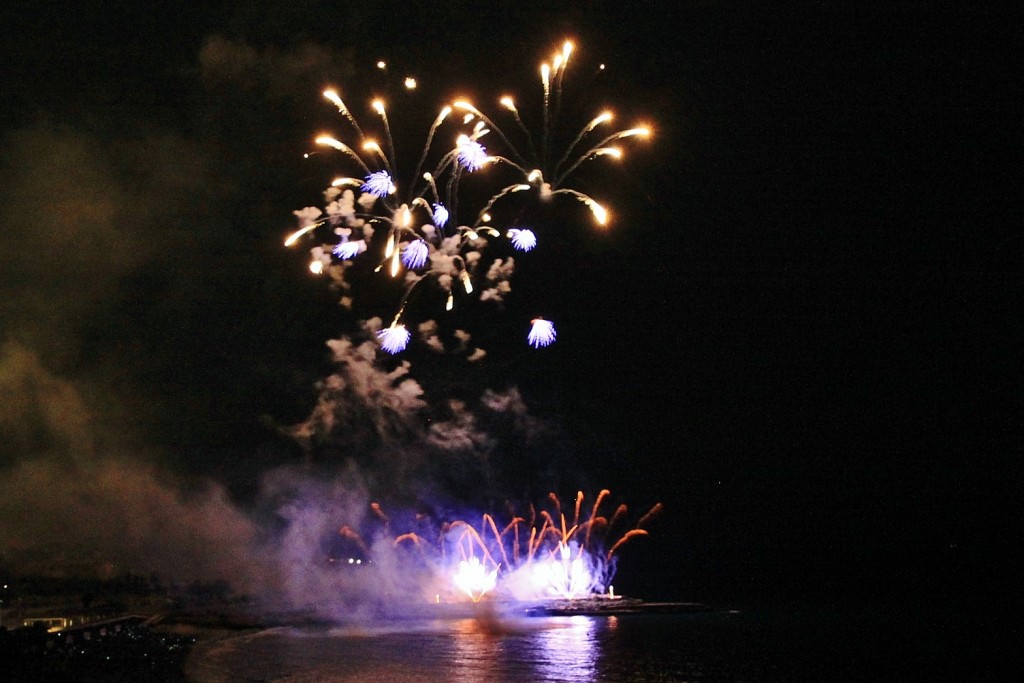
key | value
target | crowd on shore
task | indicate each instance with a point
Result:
(135, 652)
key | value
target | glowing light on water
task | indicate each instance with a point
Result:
(542, 333)
(572, 652)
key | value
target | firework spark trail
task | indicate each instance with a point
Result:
(558, 503)
(628, 535)
(474, 537)
(379, 513)
(333, 96)
(651, 514)
(593, 513)
(467, 106)
(509, 104)
(386, 202)
(563, 63)
(497, 537)
(481, 559)
(576, 514)
(601, 149)
(426, 148)
(389, 158)
(545, 74)
(424, 249)
(620, 512)
(378, 106)
(514, 526)
(547, 179)
(597, 120)
(350, 534)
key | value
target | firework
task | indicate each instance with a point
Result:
(415, 255)
(473, 579)
(539, 555)
(413, 218)
(522, 239)
(547, 178)
(542, 333)
(394, 339)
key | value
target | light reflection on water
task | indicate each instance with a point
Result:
(477, 653)
(485, 649)
(569, 652)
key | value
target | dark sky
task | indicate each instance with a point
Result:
(787, 336)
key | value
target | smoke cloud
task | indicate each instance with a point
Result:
(76, 500)
(124, 244)
(271, 72)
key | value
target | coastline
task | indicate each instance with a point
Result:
(207, 639)
(212, 632)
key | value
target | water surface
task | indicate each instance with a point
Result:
(634, 647)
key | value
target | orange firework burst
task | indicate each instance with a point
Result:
(558, 556)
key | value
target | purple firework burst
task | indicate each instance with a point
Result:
(379, 184)
(415, 254)
(542, 333)
(394, 339)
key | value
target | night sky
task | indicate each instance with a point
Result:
(789, 335)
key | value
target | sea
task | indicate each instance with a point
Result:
(713, 645)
